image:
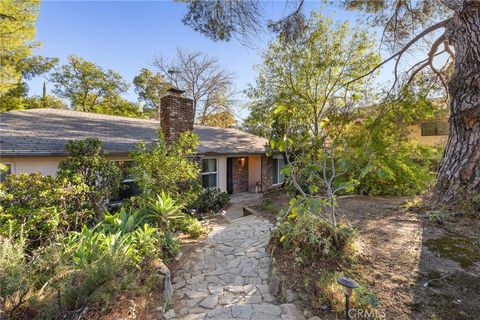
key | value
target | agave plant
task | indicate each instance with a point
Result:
(164, 210)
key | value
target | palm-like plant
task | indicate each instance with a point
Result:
(164, 210)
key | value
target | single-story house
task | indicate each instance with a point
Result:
(432, 132)
(231, 160)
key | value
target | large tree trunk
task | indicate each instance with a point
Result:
(459, 172)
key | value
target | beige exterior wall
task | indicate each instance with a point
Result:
(254, 172)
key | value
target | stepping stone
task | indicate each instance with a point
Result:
(209, 302)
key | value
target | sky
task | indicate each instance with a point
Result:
(126, 36)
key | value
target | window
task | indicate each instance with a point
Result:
(209, 173)
(128, 186)
(278, 175)
(4, 172)
(438, 128)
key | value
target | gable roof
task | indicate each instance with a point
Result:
(46, 131)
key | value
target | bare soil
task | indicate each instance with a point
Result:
(419, 269)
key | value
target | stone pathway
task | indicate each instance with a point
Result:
(227, 277)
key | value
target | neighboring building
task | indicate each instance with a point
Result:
(433, 133)
(231, 160)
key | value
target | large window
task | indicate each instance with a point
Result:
(209, 173)
(437, 128)
(278, 176)
(4, 172)
(128, 186)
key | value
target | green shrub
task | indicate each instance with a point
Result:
(438, 216)
(89, 176)
(310, 237)
(169, 168)
(32, 204)
(164, 210)
(191, 226)
(211, 200)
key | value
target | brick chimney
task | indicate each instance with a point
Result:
(176, 114)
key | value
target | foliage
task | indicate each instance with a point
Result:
(398, 164)
(223, 119)
(438, 216)
(312, 237)
(331, 294)
(191, 226)
(17, 33)
(86, 85)
(168, 168)
(47, 101)
(31, 204)
(117, 106)
(14, 284)
(150, 87)
(90, 177)
(164, 210)
(211, 200)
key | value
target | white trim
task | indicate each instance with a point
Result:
(211, 172)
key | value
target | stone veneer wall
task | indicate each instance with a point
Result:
(267, 173)
(176, 116)
(240, 175)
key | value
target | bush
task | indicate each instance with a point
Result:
(211, 200)
(169, 168)
(90, 178)
(311, 237)
(191, 226)
(31, 204)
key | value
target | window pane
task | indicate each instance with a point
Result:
(209, 180)
(209, 165)
(126, 169)
(275, 171)
(439, 128)
(281, 165)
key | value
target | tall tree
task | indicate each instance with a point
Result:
(204, 80)
(455, 25)
(150, 88)
(86, 85)
(17, 34)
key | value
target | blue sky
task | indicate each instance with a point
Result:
(125, 36)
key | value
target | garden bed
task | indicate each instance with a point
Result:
(414, 266)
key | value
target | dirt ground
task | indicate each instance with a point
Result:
(419, 269)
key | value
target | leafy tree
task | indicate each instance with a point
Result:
(309, 104)
(116, 105)
(90, 178)
(17, 33)
(150, 87)
(86, 85)
(169, 168)
(204, 80)
(222, 119)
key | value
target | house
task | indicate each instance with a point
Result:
(231, 160)
(433, 132)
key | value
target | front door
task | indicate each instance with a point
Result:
(229, 175)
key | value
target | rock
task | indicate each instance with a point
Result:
(268, 309)
(314, 318)
(275, 284)
(290, 296)
(242, 311)
(209, 302)
(169, 314)
(163, 270)
(292, 311)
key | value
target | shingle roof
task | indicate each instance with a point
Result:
(46, 131)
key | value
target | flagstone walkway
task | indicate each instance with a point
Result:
(226, 278)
